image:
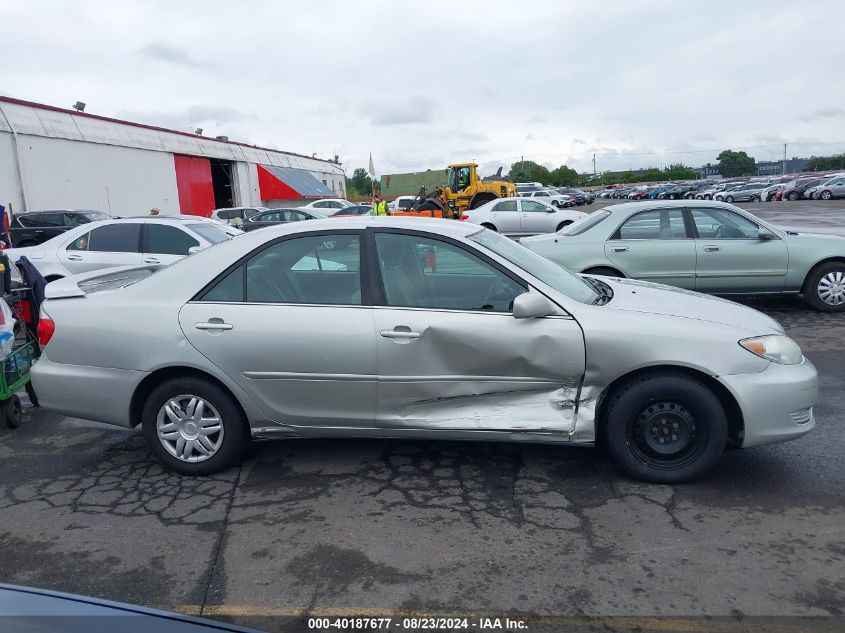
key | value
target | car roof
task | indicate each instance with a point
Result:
(436, 225)
(61, 211)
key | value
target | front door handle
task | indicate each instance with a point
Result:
(712, 248)
(151, 260)
(213, 324)
(620, 249)
(404, 334)
(75, 258)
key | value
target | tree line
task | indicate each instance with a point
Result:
(731, 164)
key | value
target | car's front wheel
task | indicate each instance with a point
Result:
(665, 427)
(824, 289)
(194, 426)
(826, 195)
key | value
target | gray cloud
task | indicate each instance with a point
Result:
(193, 116)
(824, 113)
(175, 55)
(400, 111)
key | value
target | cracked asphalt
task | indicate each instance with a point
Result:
(392, 527)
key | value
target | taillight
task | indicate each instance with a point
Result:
(464, 217)
(46, 328)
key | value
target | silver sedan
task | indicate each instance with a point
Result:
(518, 216)
(414, 328)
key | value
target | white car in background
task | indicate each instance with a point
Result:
(552, 197)
(520, 216)
(326, 204)
(125, 242)
(401, 203)
(235, 215)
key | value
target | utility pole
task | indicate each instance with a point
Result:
(594, 166)
(784, 159)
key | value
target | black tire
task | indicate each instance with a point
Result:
(826, 195)
(487, 225)
(793, 195)
(676, 410)
(729, 199)
(812, 292)
(33, 397)
(708, 197)
(235, 430)
(12, 411)
(755, 199)
(563, 224)
(604, 272)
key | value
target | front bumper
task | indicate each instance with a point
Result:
(776, 403)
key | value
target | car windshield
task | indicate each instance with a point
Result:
(211, 232)
(546, 271)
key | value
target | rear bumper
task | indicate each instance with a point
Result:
(776, 403)
(91, 393)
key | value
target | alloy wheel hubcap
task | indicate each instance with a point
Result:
(832, 288)
(189, 428)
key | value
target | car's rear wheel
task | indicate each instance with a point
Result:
(563, 224)
(665, 427)
(824, 289)
(826, 195)
(793, 195)
(194, 426)
(729, 199)
(603, 271)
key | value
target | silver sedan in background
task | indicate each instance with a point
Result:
(521, 216)
(426, 329)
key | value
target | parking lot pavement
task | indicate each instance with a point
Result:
(391, 527)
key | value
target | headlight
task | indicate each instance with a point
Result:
(775, 347)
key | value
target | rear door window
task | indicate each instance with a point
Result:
(163, 239)
(114, 238)
(657, 224)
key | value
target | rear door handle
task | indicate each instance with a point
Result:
(400, 334)
(619, 249)
(75, 258)
(214, 324)
(151, 260)
(712, 248)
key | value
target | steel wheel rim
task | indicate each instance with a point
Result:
(189, 428)
(831, 288)
(673, 422)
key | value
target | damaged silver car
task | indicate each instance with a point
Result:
(410, 328)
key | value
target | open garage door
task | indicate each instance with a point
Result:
(194, 184)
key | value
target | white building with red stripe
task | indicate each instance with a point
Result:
(54, 158)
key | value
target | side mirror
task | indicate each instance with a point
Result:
(550, 210)
(765, 234)
(194, 249)
(530, 305)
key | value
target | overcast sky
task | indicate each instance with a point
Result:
(421, 84)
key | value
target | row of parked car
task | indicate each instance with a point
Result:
(809, 187)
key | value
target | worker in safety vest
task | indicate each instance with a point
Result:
(379, 206)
